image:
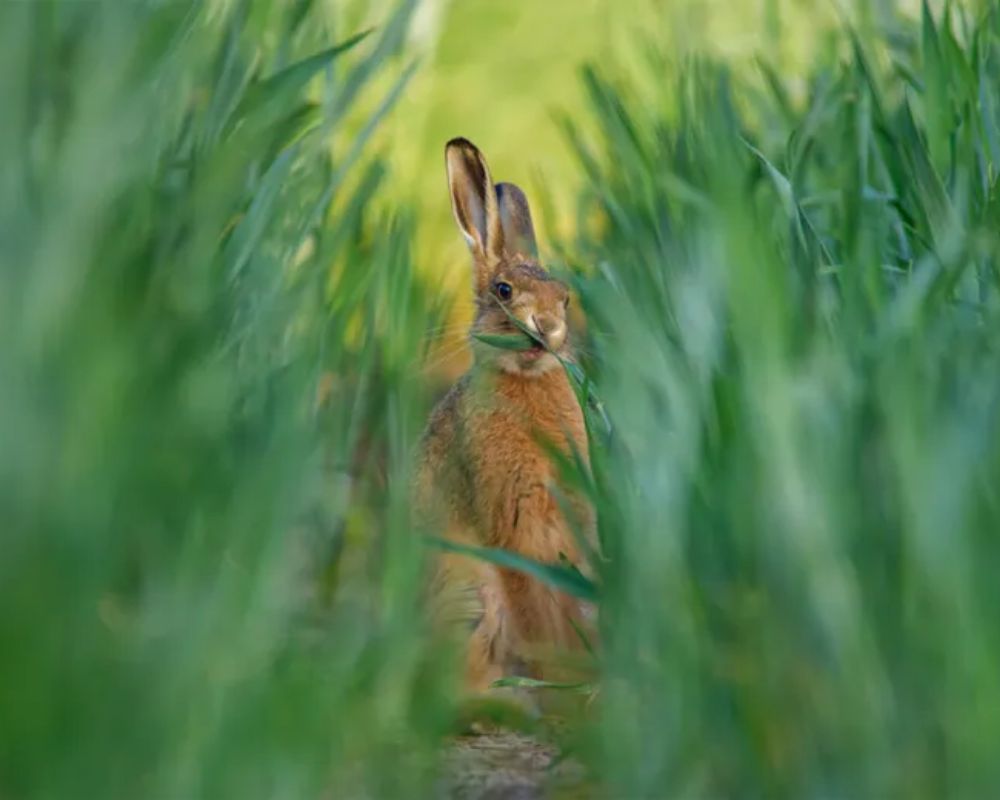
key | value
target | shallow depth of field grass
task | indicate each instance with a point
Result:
(208, 577)
(213, 344)
(794, 326)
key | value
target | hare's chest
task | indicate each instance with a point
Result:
(502, 442)
(519, 502)
(511, 432)
(511, 454)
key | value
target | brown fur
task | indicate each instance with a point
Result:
(484, 474)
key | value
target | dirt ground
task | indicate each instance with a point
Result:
(509, 766)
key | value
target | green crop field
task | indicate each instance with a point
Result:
(229, 291)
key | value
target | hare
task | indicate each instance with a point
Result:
(484, 473)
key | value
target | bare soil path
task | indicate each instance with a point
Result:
(509, 766)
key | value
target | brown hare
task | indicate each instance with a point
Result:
(485, 475)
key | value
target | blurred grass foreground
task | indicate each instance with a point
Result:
(212, 378)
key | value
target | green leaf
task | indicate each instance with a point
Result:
(521, 682)
(267, 101)
(295, 125)
(570, 581)
(511, 341)
(937, 103)
(252, 227)
(582, 636)
(233, 73)
(781, 183)
(586, 395)
(776, 86)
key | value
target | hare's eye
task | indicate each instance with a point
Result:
(503, 290)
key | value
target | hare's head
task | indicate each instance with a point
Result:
(508, 281)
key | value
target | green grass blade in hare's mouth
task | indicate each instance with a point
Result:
(506, 341)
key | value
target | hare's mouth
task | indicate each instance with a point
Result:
(533, 353)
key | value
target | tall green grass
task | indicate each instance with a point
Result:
(794, 309)
(207, 580)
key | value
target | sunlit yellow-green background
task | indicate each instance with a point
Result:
(500, 72)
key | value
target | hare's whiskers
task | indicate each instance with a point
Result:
(441, 358)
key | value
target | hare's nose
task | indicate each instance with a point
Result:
(552, 329)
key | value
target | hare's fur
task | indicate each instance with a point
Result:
(485, 475)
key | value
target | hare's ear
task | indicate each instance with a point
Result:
(474, 202)
(515, 218)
